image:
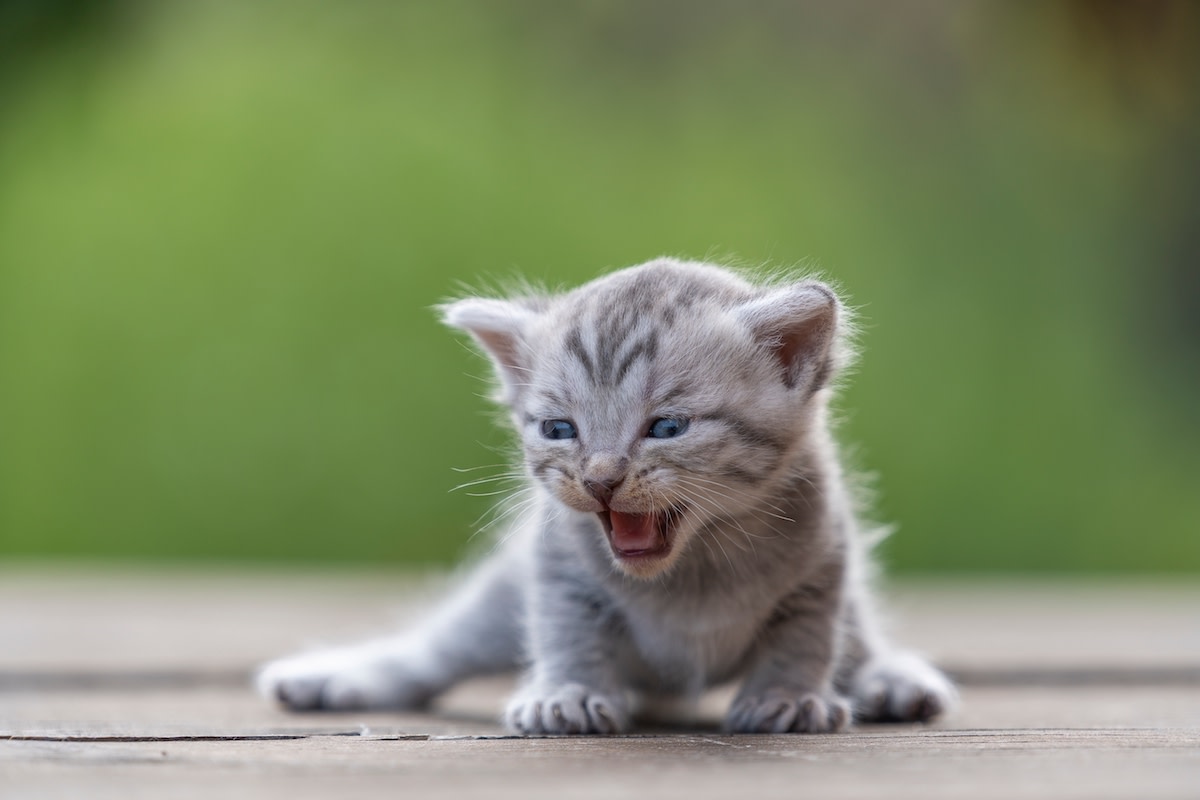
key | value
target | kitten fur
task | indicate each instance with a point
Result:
(689, 525)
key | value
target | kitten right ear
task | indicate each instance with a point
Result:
(499, 326)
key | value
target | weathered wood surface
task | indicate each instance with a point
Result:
(128, 683)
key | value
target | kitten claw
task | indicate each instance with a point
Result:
(573, 710)
(779, 712)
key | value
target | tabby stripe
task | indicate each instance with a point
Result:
(747, 430)
(575, 347)
(673, 395)
(741, 474)
(646, 348)
(613, 333)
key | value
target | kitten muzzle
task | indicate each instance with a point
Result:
(635, 536)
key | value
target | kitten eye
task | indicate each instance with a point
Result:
(559, 429)
(667, 428)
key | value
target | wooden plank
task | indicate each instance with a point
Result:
(983, 764)
(130, 682)
(475, 708)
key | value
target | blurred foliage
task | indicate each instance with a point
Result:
(222, 225)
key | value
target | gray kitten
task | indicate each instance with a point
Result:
(690, 523)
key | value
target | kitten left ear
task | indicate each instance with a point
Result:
(798, 323)
(499, 326)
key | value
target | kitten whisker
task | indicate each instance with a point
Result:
(492, 479)
(760, 502)
(731, 493)
(700, 502)
(660, 499)
(724, 552)
(526, 517)
(722, 515)
(752, 510)
(512, 509)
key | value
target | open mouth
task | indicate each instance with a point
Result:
(640, 536)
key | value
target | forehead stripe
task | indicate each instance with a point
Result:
(574, 345)
(647, 347)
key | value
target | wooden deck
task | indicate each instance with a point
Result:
(127, 683)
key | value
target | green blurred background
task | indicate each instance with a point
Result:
(223, 224)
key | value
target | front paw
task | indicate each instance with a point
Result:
(567, 709)
(783, 711)
(347, 679)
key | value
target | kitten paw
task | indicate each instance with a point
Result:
(781, 711)
(902, 687)
(568, 709)
(348, 679)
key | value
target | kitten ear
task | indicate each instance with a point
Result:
(499, 326)
(798, 323)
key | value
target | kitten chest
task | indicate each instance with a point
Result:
(688, 652)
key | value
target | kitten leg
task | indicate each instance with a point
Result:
(791, 687)
(887, 684)
(572, 686)
(477, 631)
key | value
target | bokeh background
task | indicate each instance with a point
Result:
(223, 224)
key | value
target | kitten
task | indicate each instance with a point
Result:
(690, 524)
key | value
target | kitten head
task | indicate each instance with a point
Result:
(662, 396)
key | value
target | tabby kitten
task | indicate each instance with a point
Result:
(691, 523)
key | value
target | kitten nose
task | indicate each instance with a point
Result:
(603, 490)
(603, 474)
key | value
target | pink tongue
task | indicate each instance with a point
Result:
(634, 531)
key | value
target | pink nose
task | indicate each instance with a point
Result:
(603, 490)
(603, 473)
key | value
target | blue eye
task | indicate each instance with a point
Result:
(558, 429)
(667, 428)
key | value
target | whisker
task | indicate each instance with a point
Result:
(492, 479)
(722, 515)
(511, 509)
(750, 511)
(760, 502)
(724, 552)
